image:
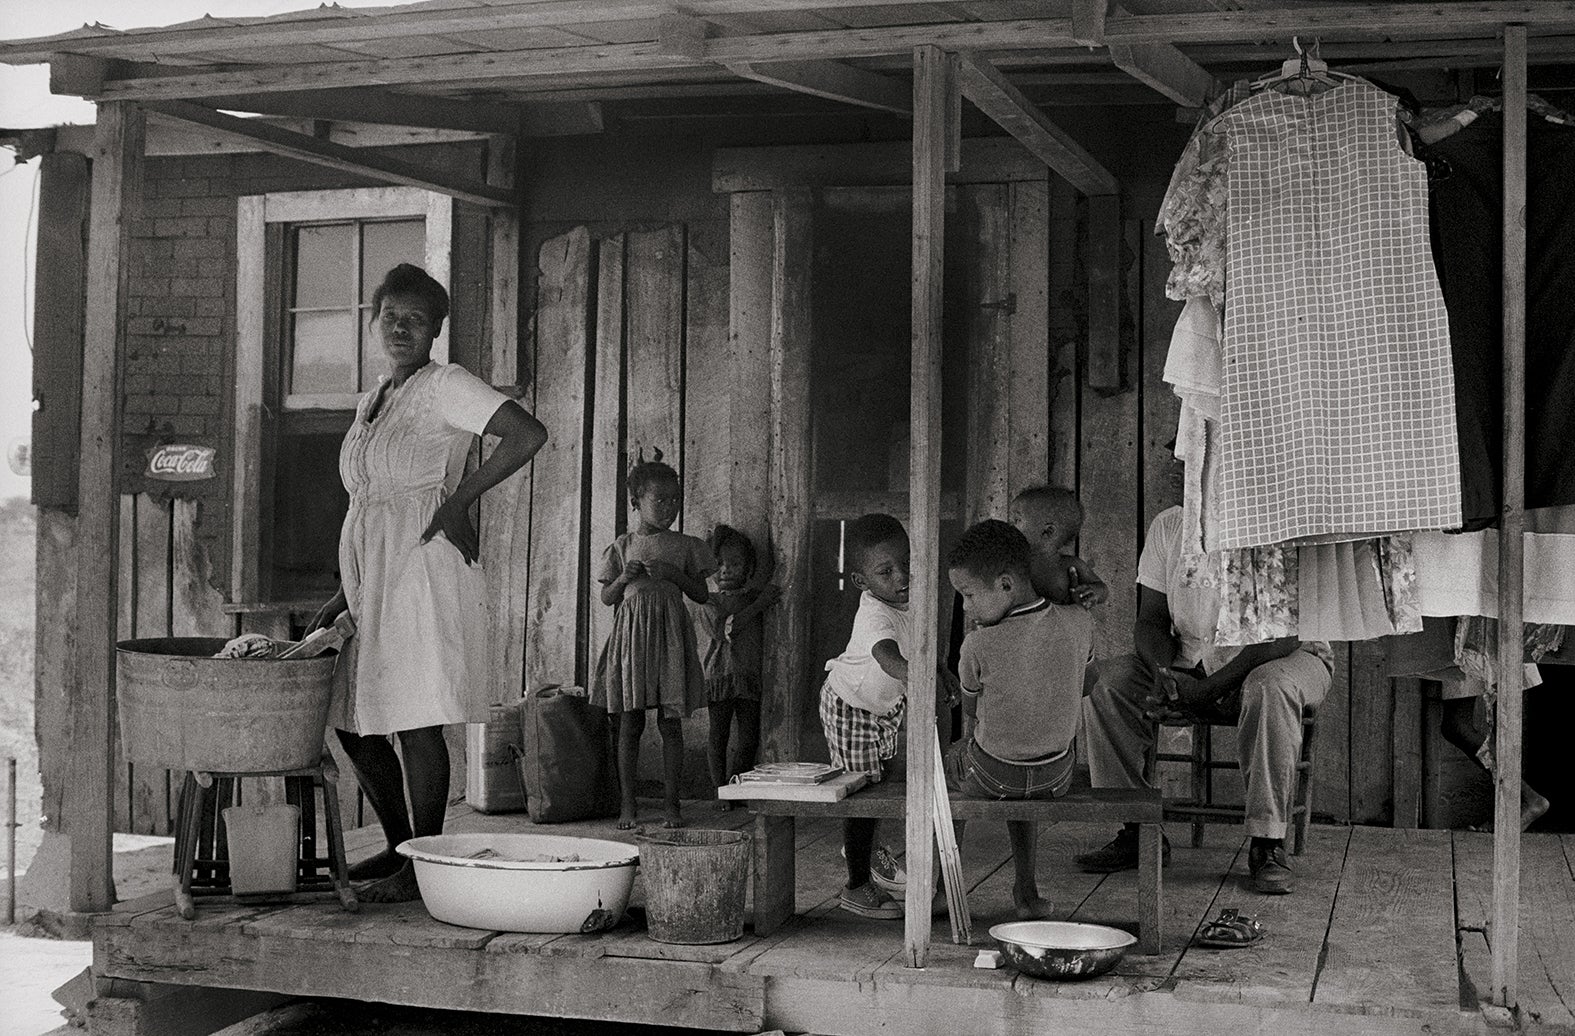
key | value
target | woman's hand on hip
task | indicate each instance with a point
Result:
(454, 523)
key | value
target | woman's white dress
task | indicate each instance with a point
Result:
(416, 659)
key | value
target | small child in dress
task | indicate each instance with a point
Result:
(865, 694)
(1051, 518)
(731, 639)
(1022, 671)
(650, 661)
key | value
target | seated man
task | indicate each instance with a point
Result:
(1178, 672)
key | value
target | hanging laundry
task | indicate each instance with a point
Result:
(1458, 575)
(1466, 187)
(1357, 590)
(1337, 414)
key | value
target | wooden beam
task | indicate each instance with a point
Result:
(992, 94)
(1167, 70)
(1504, 932)
(832, 80)
(1088, 22)
(984, 160)
(336, 156)
(371, 105)
(117, 176)
(934, 80)
(681, 35)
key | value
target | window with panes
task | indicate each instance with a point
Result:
(328, 356)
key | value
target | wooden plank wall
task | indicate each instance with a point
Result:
(165, 591)
(633, 356)
(553, 598)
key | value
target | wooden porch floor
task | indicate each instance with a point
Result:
(1384, 934)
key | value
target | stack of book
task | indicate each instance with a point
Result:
(804, 782)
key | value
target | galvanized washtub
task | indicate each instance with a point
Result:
(183, 709)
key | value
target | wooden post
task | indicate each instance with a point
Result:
(750, 245)
(117, 169)
(1504, 933)
(782, 711)
(934, 86)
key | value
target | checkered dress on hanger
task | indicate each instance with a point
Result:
(1338, 408)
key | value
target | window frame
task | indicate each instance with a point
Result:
(257, 277)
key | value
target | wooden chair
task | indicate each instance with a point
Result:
(1201, 807)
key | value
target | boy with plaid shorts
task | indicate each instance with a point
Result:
(865, 694)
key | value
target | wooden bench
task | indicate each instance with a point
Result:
(775, 821)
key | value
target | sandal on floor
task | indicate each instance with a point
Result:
(1231, 930)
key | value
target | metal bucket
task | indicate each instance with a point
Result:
(695, 885)
(183, 709)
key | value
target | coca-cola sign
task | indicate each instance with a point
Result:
(180, 462)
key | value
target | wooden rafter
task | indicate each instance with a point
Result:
(1166, 69)
(683, 35)
(335, 156)
(832, 80)
(994, 95)
(1088, 22)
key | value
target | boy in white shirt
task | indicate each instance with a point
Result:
(865, 694)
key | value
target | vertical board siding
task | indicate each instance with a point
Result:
(654, 330)
(1161, 487)
(150, 786)
(1109, 468)
(708, 374)
(1371, 736)
(1028, 338)
(57, 328)
(1066, 318)
(606, 438)
(552, 609)
(1332, 766)
(986, 219)
(125, 628)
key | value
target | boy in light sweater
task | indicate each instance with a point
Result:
(1022, 670)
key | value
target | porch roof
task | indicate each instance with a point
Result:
(513, 52)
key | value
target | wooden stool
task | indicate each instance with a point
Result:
(1201, 806)
(202, 853)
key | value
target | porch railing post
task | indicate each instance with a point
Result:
(1507, 775)
(935, 116)
(117, 176)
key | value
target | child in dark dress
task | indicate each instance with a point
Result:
(731, 633)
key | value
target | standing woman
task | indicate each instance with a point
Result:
(407, 560)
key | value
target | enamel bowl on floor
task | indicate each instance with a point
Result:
(1061, 949)
(524, 882)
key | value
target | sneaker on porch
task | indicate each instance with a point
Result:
(885, 871)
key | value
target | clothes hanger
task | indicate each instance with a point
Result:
(1305, 67)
